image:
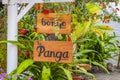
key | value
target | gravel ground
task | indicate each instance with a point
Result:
(115, 75)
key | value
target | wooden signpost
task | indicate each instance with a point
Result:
(53, 51)
(13, 19)
(53, 23)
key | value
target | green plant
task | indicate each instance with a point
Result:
(92, 42)
(95, 49)
(81, 26)
(20, 73)
(3, 30)
(92, 45)
(50, 71)
(77, 70)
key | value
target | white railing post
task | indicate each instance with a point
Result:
(12, 50)
(24, 11)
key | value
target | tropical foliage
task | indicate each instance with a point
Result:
(93, 44)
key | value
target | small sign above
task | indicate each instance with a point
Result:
(34, 1)
(53, 51)
(54, 23)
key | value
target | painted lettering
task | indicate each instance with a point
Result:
(51, 54)
(51, 22)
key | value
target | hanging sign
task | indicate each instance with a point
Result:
(53, 51)
(54, 23)
(35, 1)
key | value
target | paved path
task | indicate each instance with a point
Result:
(112, 76)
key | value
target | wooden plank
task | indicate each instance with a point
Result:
(53, 51)
(37, 1)
(53, 23)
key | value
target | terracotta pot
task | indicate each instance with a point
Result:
(77, 78)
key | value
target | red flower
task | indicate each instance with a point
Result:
(37, 7)
(69, 38)
(61, 8)
(107, 17)
(23, 31)
(45, 11)
(52, 10)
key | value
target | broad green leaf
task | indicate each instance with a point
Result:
(80, 30)
(74, 20)
(105, 27)
(81, 60)
(24, 65)
(1, 55)
(46, 73)
(67, 72)
(93, 8)
(83, 40)
(13, 42)
(98, 64)
(84, 52)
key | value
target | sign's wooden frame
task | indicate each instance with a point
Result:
(53, 51)
(54, 23)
